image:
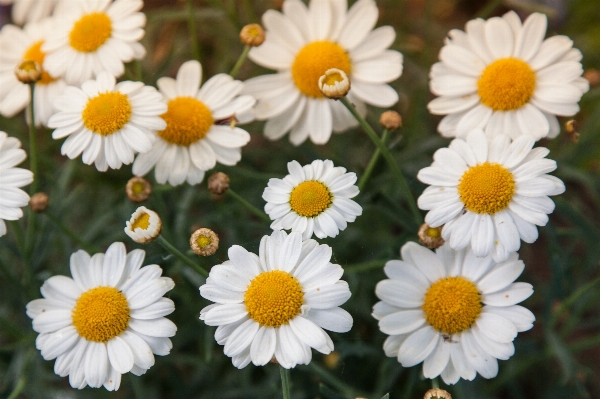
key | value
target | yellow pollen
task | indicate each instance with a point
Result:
(506, 84)
(188, 120)
(138, 188)
(101, 314)
(313, 60)
(142, 222)
(452, 305)
(90, 32)
(35, 53)
(273, 298)
(203, 241)
(333, 78)
(433, 232)
(486, 188)
(107, 113)
(310, 198)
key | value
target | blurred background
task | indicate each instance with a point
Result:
(558, 358)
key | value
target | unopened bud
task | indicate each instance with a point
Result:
(138, 189)
(593, 76)
(431, 237)
(572, 133)
(143, 226)
(218, 183)
(437, 393)
(204, 242)
(391, 120)
(252, 35)
(39, 202)
(28, 71)
(334, 84)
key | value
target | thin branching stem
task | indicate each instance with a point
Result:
(74, 236)
(240, 62)
(285, 382)
(369, 170)
(193, 31)
(249, 206)
(181, 256)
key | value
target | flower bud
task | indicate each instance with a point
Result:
(252, 35)
(437, 393)
(218, 183)
(143, 226)
(334, 84)
(138, 189)
(391, 120)
(593, 76)
(431, 237)
(204, 242)
(572, 133)
(28, 71)
(39, 202)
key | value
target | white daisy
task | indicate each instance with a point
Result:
(30, 10)
(503, 77)
(143, 226)
(105, 321)
(95, 36)
(313, 198)
(12, 198)
(108, 122)
(278, 303)
(303, 43)
(451, 310)
(18, 45)
(489, 193)
(194, 139)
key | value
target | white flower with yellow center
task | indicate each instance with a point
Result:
(19, 45)
(278, 303)
(313, 198)
(30, 10)
(451, 310)
(198, 133)
(108, 122)
(95, 36)
(105, 321)
(489, 193)
(12, 198)
(301, 45)
(502, 76)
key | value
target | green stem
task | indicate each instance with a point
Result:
(179, 255)
(33, 164)
(365, 177)
(435, 384)
(388, 157)
(572, 299)
(249, 206)
(285, 382)
(18, 388)
(192, 30)
(335, 382)
(240, 61)
(364, 266)
(74, 236)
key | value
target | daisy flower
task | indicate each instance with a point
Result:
(489, 193)
(95, 36)
(108, 122)
(30, 10)
(278, 303)
(194, 139)
(313, 198)
(502, 76)
(451, 310)
(18, 45)
(12, 198)
(105, 321)
(303, 43)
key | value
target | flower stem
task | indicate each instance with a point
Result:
(249, 206)
(240, 62)
(435, 384)
(179, 255)
(571, 300)
(365, 177)
(33, 164)
(285, 382)
(388, 157)
(74, 236)
(193, 31)
(18, 388)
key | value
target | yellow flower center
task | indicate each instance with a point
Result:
(486, 188)
(203, 241)
(188, 120)
(273, 298)
(35, 53)
(107, 113)
(142, 222)
(310, 198)
(506, 84)
(313, 60)
(433, 232)
(101, 314)
(333, 78)
(138, 187)
(452, 305)
(90, 32)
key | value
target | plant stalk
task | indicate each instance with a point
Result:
(179, 255)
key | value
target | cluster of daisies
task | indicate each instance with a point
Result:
(500, 85)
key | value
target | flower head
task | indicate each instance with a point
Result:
(334, 83)
(252, 35)
(276, 304)
(204, 242)
(451, 310)
(138, 189)
(143, 226)
(106, 320)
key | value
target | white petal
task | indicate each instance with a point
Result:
(418, 346)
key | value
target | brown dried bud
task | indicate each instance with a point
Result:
(39, 202)
(572, 133)
(138, 189)
(252, 35)
(334, 83)
(437, 393)
(332, 360)
(431, 237)
(391, 120)
(204, 242)
(593, 76)
(28, 71)
(218, 183)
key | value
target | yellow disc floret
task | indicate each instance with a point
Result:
(141, 222)
(101, 314)
(310, 198)
(452, 305)
(90, 32)
(35, 53)
(107, 113)
(273, 298)
(486, 188)
(313, 60)
(506, 84)
(188, 120)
